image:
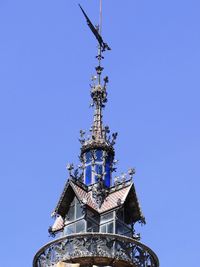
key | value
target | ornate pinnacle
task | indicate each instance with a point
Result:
(99, 97)
(99, 133)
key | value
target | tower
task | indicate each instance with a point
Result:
(96, 212)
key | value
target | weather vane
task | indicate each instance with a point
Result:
(97, 31)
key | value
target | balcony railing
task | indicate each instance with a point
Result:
(97, 249)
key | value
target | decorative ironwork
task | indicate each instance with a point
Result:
(99, 191)
(95, 248)
(99, 97)
(77, 174)
(114, 250)
(96, 32)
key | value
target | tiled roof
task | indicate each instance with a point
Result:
(116, 197)
(110, 202)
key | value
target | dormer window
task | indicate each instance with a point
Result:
(118, 217)
(107, 223)
(122, 228)
(92, 219)
(74, 222)
(75, 211)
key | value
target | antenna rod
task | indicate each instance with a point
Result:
(100, 32)
(100, 18)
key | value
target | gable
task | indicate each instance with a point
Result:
(66, 199)
(122, 195)
(132, 208)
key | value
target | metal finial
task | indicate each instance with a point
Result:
(131, 172)
(97, 31)
(98, 90)
(100, 18)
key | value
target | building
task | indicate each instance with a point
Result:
(96, 213)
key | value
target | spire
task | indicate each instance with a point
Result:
(98, 90)
(97, 152)
(99, 98)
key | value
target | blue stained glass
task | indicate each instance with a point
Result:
(99, 155)
(88, 175)
(108, 160)
(88, 157)
(98, 170)
(107, 176)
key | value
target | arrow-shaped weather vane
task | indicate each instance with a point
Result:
(104, 46)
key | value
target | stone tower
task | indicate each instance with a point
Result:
(97, 211)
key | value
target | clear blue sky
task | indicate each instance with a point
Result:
(46, 60)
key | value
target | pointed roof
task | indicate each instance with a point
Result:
(117, 196)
